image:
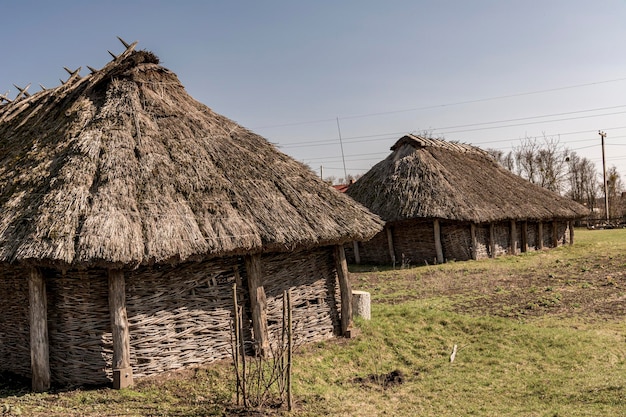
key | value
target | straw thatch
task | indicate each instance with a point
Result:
(430, 178)
(123, 166)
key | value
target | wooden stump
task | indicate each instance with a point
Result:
(361, 304)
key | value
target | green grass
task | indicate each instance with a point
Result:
(540, 334)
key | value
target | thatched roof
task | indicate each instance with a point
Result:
(432, 178)
(123, 166)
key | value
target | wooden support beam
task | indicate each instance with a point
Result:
(438, 247)
(540, 235)
(39, 345)
(570, 225)
(555, 233)
(258, 304)
(513, 238)
(357, 255)
(492, 239)
(524, 233)
(474, 241)
(344, 289)
(122, 371)
(390, 248)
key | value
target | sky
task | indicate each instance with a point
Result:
(335, 84)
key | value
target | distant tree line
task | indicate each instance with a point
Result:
(547, 163)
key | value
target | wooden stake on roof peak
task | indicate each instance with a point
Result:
(22, 91)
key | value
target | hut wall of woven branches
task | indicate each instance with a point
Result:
(450, 201)
(130, 211)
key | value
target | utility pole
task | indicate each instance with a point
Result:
(606, 195)
(343, 158)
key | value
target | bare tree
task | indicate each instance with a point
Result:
(583, 181)
(614, 190)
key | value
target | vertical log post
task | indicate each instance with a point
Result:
(392, 253)
(524, 234)
(474, 241)
(570, 225)
(492, 239)
(513, 239)
(258, 304)
(357, 255)
(344, 289)
(122, 372)
(39, 348)
(555, 234)
(540, 235)
(438, 247)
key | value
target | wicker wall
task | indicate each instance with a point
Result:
(314, 296)
(456, 241)
(14, 322)
(374, 251)
(483, 248)
(414, 242)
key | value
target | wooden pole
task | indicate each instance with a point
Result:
(438, 247)
(236, 344)
(570, 224)
(392, 253)
(540, 235)
(513, 244)
(524, 236)
(357, 256)
(258, 303)
(474, 241)
(39, 345)
(122, 372)
(555, 233)
(289, 352)
(492, 239)
(344, 289)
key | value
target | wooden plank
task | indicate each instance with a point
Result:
(540, 235)
(492, 240)
(513, 238)
(258, 304)
(570, 224)
(122, 372)
(344, 289)
(39, 344)
(438, 247)
(357, 256)
(474, 241)
(390, 247)
(524, 234)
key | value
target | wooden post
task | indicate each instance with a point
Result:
(474, 241)
(524, 236)
(344, 289)
(357, 256)
(392, 253)
(513, 238)
(258, 303)
(122, 372)
(39, 347)
(438, 247)
(570, 224)
(555, 234)
(492, 239)
(540, 235)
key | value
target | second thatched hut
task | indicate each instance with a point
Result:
(451, 201)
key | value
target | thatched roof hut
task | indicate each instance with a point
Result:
(459, 191)
(128, 205)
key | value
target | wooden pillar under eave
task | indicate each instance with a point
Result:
(39, 343)
(513, 238)
(357, 255)
(438, 247)
(122, 371)
(555, 234)
(258, 303)
(344, 289)
(524, 234)
(392, 252)
(492, 239)
(540, 235)
(474, 241)
(570, 225)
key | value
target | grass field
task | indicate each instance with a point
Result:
(540, 334)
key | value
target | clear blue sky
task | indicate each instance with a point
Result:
(293, 71)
